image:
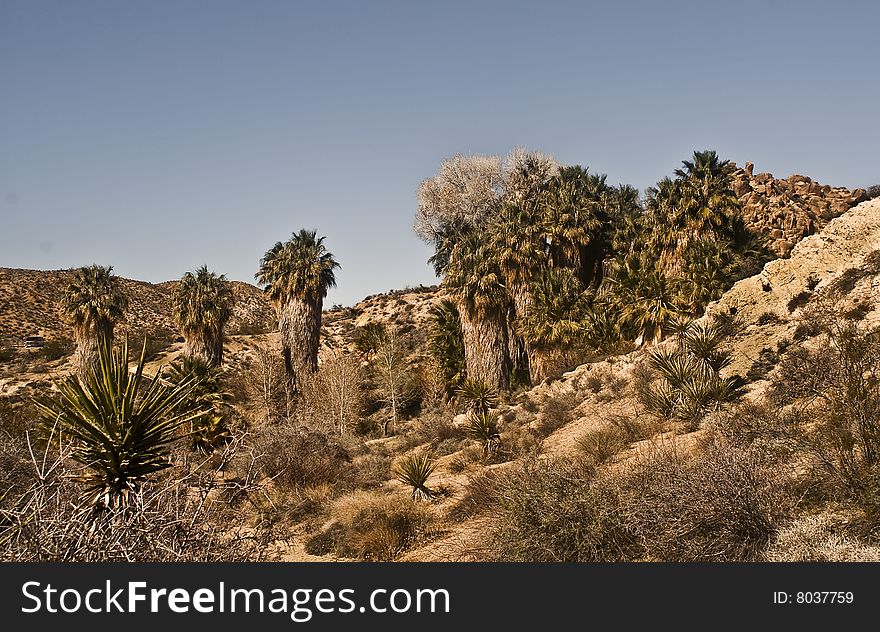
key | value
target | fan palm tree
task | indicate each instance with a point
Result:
(573, 219)
(94, 302)
(556, 321)
(296, 275)
(203, 304)
(476, 283)
(447, 346)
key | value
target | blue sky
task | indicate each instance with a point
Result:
(157, 136)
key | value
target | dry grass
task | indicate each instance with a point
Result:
(373, 526)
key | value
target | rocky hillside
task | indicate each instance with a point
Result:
(786, 211)
(30, 304)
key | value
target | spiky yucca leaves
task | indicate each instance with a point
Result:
(296, 275)
(120, 427)
(483, 427)
(477, 396)
(203, 303)
(415, 470)
(211, 430)
(691, 383)
(94, 302)
(447, 346)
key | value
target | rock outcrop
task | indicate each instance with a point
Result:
(786, 211)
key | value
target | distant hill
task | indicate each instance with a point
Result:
(30, 304)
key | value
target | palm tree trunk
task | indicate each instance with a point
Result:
(206, 346)
(300, 325)
(486, 345)
(89, 340)
(520, 350)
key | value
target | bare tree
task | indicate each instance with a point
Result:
(332, 396)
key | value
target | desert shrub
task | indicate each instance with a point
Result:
(557, 511)
(769, 318)
(480, 494)
(838, 381)
(375, 527)
(294, 457)
(432, 429)
(601, 444)
(154, 342)
(176, 520)
(817, 539)
(873, 191)
(557, 410)
(722, 505)
(766, 362)
(371, 470)
(858, 311)
(518, 441)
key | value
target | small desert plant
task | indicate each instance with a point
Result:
(815, 539)
(121, 431)
(477, 396)
(414, 471)
(295, 458)
(373, 527)
(691, 383)
(483, 427)
(557, 511)
(600, 445)
(722, 505)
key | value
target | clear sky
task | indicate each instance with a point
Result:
(157, 136)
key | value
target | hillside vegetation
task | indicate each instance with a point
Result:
(689, 375)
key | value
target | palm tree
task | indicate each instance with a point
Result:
(556, 321)
(573, 221)
(296, 275)
(475, 281)
(447, 346)
(203, 304)
(94, 302)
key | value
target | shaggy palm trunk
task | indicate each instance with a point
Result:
(206, 346)
(543, 363)
(486, 345)
(89, 341)
(520, 350)
(300, 325)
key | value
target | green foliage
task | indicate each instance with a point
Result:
(94, 299)
(446, 345)
(477, 396)
(301, 268)
(558, 310)
(690, 367)
(483, 427)
(415, 470)
(203, 304)
(121, 428)
(211, 429)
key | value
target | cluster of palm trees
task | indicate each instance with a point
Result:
(538, 257)
(296, 275)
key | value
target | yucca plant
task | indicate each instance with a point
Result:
(415, 470)
(211, 430)
(121, 424)
(478, 396)
(484, 428)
